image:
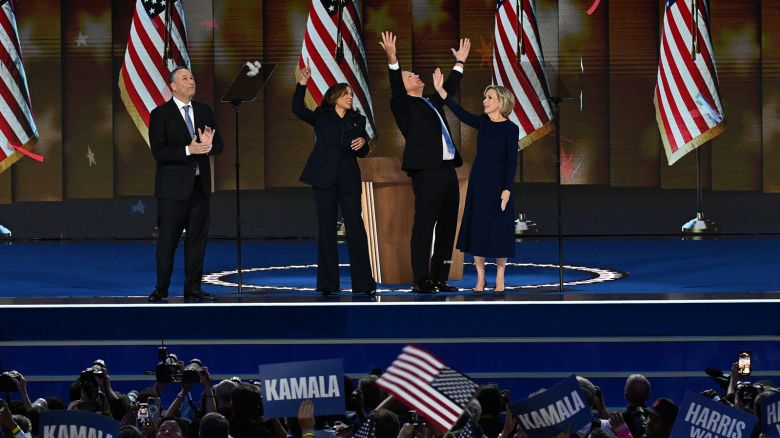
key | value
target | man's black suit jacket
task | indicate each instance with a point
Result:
(419, 125)
(168, 138)
(332, 160)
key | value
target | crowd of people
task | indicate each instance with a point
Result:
(234, 407)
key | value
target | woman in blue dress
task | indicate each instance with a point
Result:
(487, 228)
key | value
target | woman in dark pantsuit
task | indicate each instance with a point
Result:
(334, 175)
(487, 228)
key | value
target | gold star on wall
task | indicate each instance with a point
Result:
(379, 20)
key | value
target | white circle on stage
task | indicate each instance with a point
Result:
(595, 275)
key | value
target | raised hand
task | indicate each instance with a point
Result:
(303, 75)
(388, 44)
(438, 83)
(306, 416)
(462, 53)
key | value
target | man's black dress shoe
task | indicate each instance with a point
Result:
(442, 286)
(369, 291)
(199, 295)
(158, 296)
(424, 287)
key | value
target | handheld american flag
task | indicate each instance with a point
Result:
(518, 64)
(687, 100)
(325, 33)
(156, 45)
(367, 429)
(17, 127)
(424, 383)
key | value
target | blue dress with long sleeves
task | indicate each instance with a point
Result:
(485, 230)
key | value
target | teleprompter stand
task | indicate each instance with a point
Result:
(246, 86)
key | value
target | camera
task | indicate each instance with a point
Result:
(192, 371)
(8, 381)
(168, 370)
(416, 419)
(90, 374)
(748, 392)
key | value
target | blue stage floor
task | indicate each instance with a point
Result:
(667, 308)
(281, 270)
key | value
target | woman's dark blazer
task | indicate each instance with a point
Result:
(332, 161)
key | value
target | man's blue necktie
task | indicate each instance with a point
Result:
(188, 121)
(191, 128)
(444, 132)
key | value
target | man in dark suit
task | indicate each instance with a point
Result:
(430, 158)
(182, 135)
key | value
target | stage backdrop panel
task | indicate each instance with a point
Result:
(40, 36)
(238, 30)
(633, 62)
(770, 86)
(736, 154)
(606, 60)
(87, 122)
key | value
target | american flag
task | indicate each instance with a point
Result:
(367, 429)
(424, 383)
(319, 52)
(520, 68)
(143, 79)
(17, 127)
(687, 100)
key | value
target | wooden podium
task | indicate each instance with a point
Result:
(388, 215)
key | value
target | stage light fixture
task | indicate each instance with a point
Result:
(699, 226)
(524, 226)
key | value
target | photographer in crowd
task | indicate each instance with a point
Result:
(183, 406)
(368, 412)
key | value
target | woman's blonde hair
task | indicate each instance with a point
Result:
(506, 100)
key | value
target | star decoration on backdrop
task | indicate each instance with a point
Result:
(485, 51)
(81, 40)
(209, 23)
(379, 19)
(570, 165)
(139, 207)
(435, 17)
(91, 157)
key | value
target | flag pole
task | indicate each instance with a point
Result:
(520, 47)
(339, 55)
(167, 43)
(556, 102)
(699, 225)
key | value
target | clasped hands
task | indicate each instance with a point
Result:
(203, 146)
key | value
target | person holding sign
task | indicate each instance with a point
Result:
(488, 226)
(333, 172)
